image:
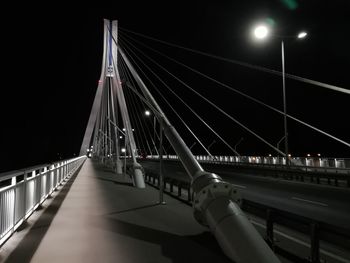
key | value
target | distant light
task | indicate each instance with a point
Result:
(302, 34)
(261, 31)
(147, 113)
(120, 137)
(123, 150)
(100, 81)
(270, 155)
(289, 155)
(318, 154)
(308, 155)
(123, 129)
(92, 146)
(133, 129)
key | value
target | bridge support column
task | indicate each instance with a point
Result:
(119, 166)
(138, 176)
(216, 204)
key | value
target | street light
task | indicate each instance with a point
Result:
(261, 32)
(302, 34)
(148, 113)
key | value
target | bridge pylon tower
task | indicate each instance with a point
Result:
(102, 134)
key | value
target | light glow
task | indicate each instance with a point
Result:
(261, 32)
(302, 34)
(147, 113)
(123, 150)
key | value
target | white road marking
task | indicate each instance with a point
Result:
(240, 186)
(325, 252)
(309, 201)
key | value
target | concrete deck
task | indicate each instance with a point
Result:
(99, 217)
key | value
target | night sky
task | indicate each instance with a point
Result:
(51, 62)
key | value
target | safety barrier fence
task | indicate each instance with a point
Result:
(317, 231)
(22, 191)
(308, 162)
(336, 172)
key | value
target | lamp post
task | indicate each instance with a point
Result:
(240, 140)
(210, 145)
(193, 144)
(260, 33)
(148, 113)
(278, 143)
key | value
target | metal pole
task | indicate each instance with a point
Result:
(161, 185)
(125, 155)
(278, 145)
(238, 143)
(193, 144)
(284, 106)
(210, 145)
(154, 129)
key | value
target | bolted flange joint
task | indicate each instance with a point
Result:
(208, 187)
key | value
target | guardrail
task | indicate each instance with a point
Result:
(316, 230)
(341, 164)
(332, 174)
(22, 191)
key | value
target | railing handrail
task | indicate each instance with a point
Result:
(8, 175)
(24, 190)
(243, 160)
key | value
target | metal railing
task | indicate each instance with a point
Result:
(338, 165)
(22, 191)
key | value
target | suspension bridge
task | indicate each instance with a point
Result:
(137, 193)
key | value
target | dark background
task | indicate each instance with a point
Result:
(51, 61)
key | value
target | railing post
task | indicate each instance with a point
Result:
(25, 193)
(160, 178)
(315, 244)
(13, 182)
(189, 193)
(269, 228)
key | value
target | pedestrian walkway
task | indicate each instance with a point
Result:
(99, 217)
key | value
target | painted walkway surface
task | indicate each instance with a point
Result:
(99, 217)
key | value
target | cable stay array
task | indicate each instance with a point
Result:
(244, 64)
(130, 47)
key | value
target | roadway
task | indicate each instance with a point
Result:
(320, 202)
